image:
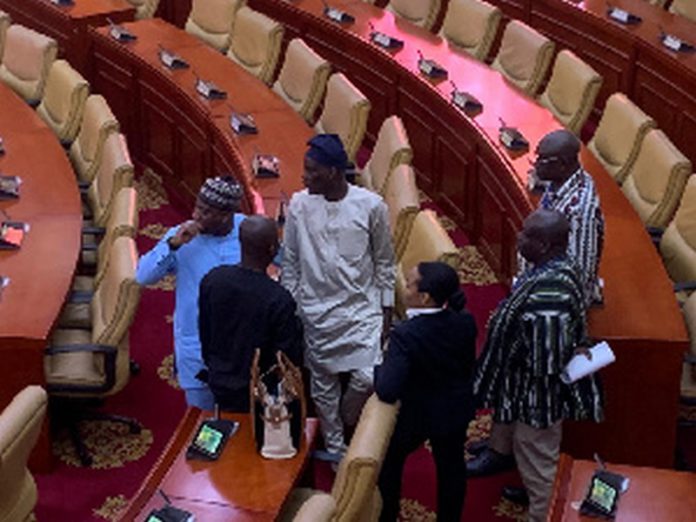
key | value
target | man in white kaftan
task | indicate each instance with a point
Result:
(339, 266)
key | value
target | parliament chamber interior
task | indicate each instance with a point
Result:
(114, 112)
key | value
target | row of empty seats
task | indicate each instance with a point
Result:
(88, 352)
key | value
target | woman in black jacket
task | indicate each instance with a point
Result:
(428, 367)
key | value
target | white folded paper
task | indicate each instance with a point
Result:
(580, 366)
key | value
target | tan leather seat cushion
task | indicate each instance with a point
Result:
(678, 244)
(212, 21)
(256, 41)
(391, 149)
(619, 135)
(685, 8)
(403, 204)
(468, 24)
(97, 123)
(419, 12)
(655, 184)
(522, 54)
(79, 368)
(302, 79)
(63, 101)
(27, 57)
(114, 173)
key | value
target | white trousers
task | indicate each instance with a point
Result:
(333, 411)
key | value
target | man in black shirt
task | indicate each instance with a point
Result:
(241, 309)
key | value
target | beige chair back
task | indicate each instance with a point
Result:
(256, 42)
(685, 8)
(678, 244)
(20, 424)
(212, 21)
(471, 26)
(144, 8)
(620, 133)
(114, 305)
(302, 79)
(419, 12)
(401, 197)
(26, 59)
(5, 22)
(572, 90)
(97, 123)
(355, 488)
(345, 113)
(655, 184)
(64, 100)
(524, 57)
(114, 173)
(123, 222)
(391, 150)
(427, 241)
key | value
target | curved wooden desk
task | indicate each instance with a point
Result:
(68, 24)
(241, 486)
(184, 137)
(41, 271)
(462, 166)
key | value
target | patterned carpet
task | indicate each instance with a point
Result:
(122, 460)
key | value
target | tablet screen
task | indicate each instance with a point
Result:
(603, 494)
(208, 439)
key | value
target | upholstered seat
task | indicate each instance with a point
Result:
(255, 44)
(115, 172)
(144, 8)
(103, 371)
(427, 241)
(302, 79)
(123, 221)
(212, 21)
(5, 22)
(63, 101)
(471, 26)
(571, 91)
(20, 424)
(678, 243)
(391, 149)
(655, 184)
(685, 8)
(524, 57)
(355, 493)
(620, 133)
(345, 113)
(95, 362)
(26, 59)
(419, 12)
(401, 196)
(97, 123)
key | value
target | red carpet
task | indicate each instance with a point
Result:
(76, 494)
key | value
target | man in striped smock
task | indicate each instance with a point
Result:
(532, 336)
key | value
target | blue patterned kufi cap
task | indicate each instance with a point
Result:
(327, 150)
(222, 192)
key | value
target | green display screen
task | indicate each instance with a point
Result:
(154, 518)
(208, 439)
(603, 494)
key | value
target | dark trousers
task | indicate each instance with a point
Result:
(448, 452)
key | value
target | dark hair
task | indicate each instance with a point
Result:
(441, 282)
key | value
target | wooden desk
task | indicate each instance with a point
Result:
(68, 25)
(462, 166)
(41, 271)
(653, 494)
(184, 137)
(241, 486)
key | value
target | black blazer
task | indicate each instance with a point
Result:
(429, 367)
